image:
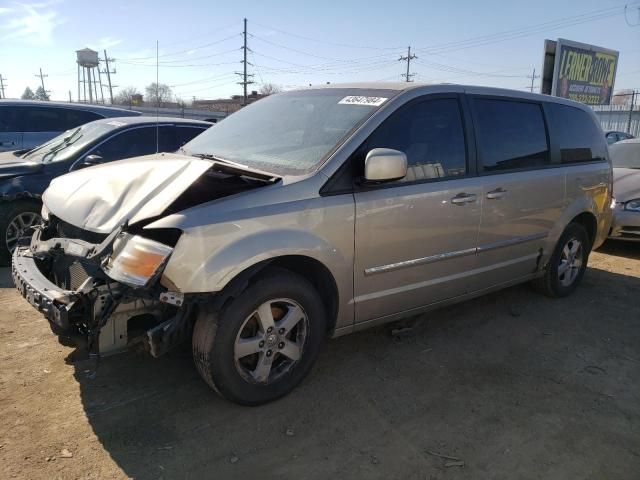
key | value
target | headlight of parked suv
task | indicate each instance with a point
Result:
(633, 205)
(135, 260)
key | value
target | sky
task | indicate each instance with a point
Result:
(297, 43)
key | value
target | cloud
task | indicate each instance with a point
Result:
(106, 42)
(33, 23)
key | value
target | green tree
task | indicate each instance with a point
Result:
(28, 94)
(41, 94)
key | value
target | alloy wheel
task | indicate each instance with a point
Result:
(18, 226)
(571, 260)
(271, 340)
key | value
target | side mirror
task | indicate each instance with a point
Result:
(92, 160)
(385, 165)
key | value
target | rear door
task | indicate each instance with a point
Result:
(415, 238)
(10, 133)
(522, 190)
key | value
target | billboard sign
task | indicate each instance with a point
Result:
(581, 72)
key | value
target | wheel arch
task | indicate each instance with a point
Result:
(307, 267)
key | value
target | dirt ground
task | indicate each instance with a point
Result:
(512, 385)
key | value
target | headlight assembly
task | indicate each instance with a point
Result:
(135, 260)
(633, 205)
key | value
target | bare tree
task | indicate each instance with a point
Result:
(41, 94)
(125, 96)
(28, 94)
(159, 93)
(269, 88)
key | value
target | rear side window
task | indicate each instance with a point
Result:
(511, 135)
(431, 134)
(40, 119)
(75, 118)
(577, 135)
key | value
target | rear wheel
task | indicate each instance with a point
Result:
(567, 264)
(262, 344)
(16, 220)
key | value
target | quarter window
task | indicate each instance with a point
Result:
(430, 133)
(511, 135)
(577, 135)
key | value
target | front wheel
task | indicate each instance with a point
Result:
(567, 263)
(16, 220)
(262, 344)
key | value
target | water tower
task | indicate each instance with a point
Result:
(88, 62)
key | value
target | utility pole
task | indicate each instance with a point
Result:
(408, 59)
(109, 72)
(245, 77)
(2, 85)
(70, 101)
(633, 101)
(533, 78)
(42, 77)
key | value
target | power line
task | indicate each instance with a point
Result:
(335, 44)
(525, 31)
(170, 54)
(408, 59)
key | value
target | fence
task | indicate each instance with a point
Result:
(616, 117)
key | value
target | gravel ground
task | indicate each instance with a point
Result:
(511, 385)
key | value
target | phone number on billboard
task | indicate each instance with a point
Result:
(584, 98)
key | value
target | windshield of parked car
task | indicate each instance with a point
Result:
(290, 133)
(625, 155)
(67, 144)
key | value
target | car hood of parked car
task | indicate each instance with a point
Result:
(12, 165)
(103, 197)
(626, 184)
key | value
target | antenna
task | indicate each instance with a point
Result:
(157, 99)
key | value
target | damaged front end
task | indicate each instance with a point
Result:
(101, 293)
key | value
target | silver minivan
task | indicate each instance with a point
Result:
(317, 213)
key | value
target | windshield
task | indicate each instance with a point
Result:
(289, 133)
(67, 144)
(625, 155)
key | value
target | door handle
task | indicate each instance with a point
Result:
(462, 198)
(497, 193)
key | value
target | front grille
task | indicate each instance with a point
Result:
(66, 271)
(66, 230)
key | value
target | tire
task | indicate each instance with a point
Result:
(220, 339)
(9, 212)
(558, 279)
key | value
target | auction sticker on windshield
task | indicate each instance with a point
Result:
(359, 100)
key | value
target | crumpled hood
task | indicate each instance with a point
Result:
(12, 165)
(101, 198)
(626, 184)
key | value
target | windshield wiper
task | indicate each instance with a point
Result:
(66, 141)
(217, 158)
(229, 166)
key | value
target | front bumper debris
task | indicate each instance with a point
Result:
(96, 313)
(52, 301)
